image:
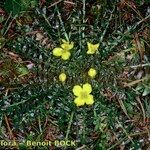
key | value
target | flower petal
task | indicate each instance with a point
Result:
(79, 102)
(62, 77)
(96, 46)
(71, 45)
(89, 45)
(77, 90)
(89, 100)
(67, 45)
(89, 48)
(92, 72)
(65, 55)
(90, 52)
(57, 51)
(64, 41)
(87, 87)
(92, 48)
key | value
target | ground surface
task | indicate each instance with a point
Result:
(37, 106)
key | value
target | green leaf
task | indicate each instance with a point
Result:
(139, 87)
(22, 71)
(2, 19)
(17, 6)
(2, 41)
(13, 6)
(146, 91)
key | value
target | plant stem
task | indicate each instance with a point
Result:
(62, 24)
(69, 125)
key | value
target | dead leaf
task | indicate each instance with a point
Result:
(39, 37)
(140, 46)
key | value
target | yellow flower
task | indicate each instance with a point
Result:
(64, 50)
(83, 95)
(92, 72)
(62, 77)
(67, 45)
(92, 48)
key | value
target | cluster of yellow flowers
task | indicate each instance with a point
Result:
(82, 94)
(64, 50)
